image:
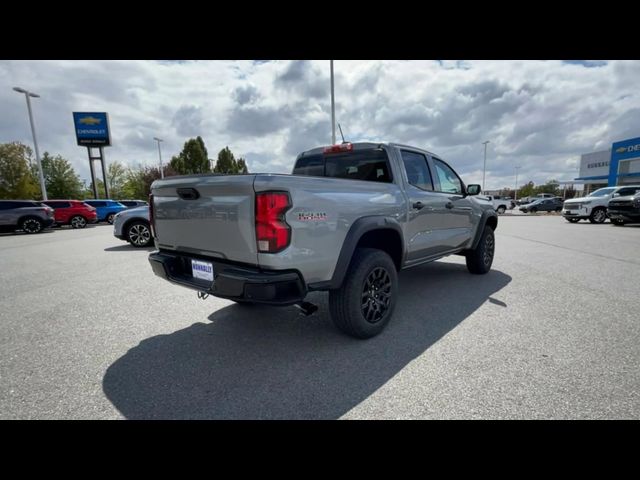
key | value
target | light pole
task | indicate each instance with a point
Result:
(159, 155)
(515, 195)
(28, 94)
(333, 110)
(484, 169)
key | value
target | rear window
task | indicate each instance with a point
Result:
(370, 165)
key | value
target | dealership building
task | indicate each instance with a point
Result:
(620, 165)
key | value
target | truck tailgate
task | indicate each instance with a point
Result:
(218, 223)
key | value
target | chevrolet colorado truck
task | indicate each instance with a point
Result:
(348, 219)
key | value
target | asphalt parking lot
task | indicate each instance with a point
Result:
(553, 332)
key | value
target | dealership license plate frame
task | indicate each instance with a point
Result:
(202, 270)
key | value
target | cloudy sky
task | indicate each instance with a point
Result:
(539, 115)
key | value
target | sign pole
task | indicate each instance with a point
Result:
(93, 174)
(104, 174)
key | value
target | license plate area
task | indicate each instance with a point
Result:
(202, 270)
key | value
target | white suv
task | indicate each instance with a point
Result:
(594, 206)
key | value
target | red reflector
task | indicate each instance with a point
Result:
(272, 232)
(343, 147)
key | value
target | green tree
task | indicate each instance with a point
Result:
(527, 190)
(227, 163)
(552, 186)
(192, 159)
(16, 178)
(60, 177)
(117, 177)
(139, 180)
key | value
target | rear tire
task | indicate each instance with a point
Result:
(364, 304)
(78, 221)
(31, 225)
(599, 215)
(501, 210)
(110, 218)
(480, 259)
(533, 210)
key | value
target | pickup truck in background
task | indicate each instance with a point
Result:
(500, 204)
(347, 220)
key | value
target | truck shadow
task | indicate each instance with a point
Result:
(255, 362)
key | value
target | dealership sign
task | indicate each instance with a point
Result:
(92, 129)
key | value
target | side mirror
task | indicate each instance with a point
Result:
(473, 189)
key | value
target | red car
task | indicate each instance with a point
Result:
(73, 212)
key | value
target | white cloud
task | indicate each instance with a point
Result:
(537, 114)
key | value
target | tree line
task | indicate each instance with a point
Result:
(530, 189)
(19, 176)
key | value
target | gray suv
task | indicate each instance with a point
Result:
(27, 215)
(133, 226)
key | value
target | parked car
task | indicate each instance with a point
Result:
(593, 207)
(133, 203)
(106, 209)
(132, 225)
(500, 204)
(348, 219)
(625, 209)
(27, 215)
(72, 212)
(543, 205)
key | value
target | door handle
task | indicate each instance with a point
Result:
(418, 205)
(448, 205)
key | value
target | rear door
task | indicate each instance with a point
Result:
(425, 231)
(211, 215)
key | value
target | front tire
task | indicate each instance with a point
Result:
(599, 215)
(501, 210)
(364, 304)
(480, 259)
(533, 210)
(139, 234)
(618, 223)
(31, 225)
(572, 220)
(78, 221)
(110, 218)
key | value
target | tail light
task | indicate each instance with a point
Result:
(272, 232)
(340, 148)
(152, 225)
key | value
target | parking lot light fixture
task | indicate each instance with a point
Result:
(28, 95)
(159, 155)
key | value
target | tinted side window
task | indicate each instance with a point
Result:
(623, 192)
(55, 205)
(449, 181)
(6, 205)
(127, 204)
(418, 174)
(97, 204)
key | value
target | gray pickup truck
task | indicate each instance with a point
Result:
(346, 221)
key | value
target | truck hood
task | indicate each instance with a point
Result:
(578, 199)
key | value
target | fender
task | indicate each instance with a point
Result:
(355, 233)
(486, 214)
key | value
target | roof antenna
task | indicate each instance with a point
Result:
(343, 141)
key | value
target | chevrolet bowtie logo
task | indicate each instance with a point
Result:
(90, 120)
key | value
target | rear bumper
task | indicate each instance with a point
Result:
(232, 281)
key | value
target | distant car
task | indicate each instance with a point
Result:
(133, 203)
(543, 205)
(133, 226)
(625, 209)
(593, 207)
(72, 212)
(26, 215)
(500, 204)
(106, 209)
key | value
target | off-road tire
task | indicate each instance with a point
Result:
(480, 259)
(364, 304)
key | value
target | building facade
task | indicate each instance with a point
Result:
(620, 165)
